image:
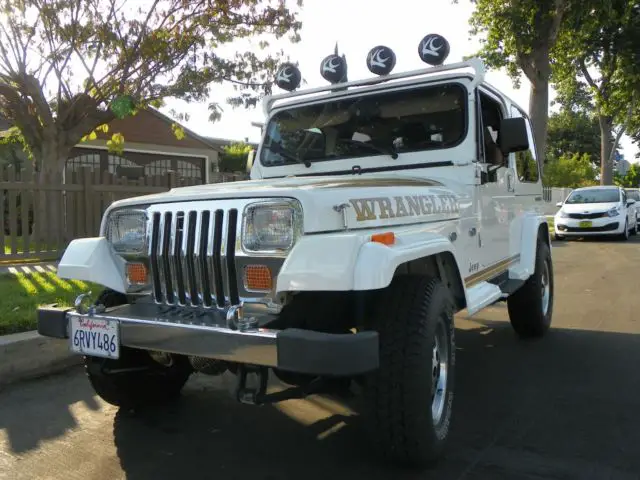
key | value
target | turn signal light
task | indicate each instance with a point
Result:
(387, 238)
(137, 274)
(257, 277)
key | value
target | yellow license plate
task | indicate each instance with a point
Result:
(585, 224)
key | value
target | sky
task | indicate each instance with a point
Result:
(357, 26)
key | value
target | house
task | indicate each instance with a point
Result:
(150, 148)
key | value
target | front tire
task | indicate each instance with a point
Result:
(531, 306)
(135, 379)
(624, 236)
(409, 397)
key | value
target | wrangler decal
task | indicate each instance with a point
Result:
(403, 206)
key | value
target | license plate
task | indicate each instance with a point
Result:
(95, 337)
(585, 224)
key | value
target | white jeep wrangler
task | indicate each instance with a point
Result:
(376, 210)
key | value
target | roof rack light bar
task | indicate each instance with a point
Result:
(475, 63)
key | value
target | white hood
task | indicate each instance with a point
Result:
(319, 196)
(589, 207)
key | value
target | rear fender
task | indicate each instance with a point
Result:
(535, 228)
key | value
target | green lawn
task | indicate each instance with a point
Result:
(22, 293)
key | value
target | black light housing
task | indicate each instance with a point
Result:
(333, 68)
(433, 49)
(288, 77)
(381, 60)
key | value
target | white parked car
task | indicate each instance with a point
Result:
(601, 210)
(634, 194)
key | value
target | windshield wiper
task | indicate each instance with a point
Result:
(387, 151)
(289, 156)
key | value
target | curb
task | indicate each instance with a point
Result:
(30, 355)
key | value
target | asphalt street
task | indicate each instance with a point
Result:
(565, 407)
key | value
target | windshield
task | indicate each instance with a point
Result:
(386, 123)
(633, 194)
(594, 196)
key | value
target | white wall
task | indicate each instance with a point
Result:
(553, 195)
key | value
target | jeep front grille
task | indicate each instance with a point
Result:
(192, 257)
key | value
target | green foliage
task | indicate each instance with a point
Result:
(596, 64)
(234, 158)
(570, 170)
(573, 131)
(515, 33)
(631, 179)
(69, 66)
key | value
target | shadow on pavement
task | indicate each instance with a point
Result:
(563, 407)
(51, 416)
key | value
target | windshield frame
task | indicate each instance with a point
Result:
(456, 82)
(579, 192)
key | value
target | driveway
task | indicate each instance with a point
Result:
(564, 407)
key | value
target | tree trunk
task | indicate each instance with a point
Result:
(606, 160)
(539, 113)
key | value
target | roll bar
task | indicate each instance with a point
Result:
(475, 63)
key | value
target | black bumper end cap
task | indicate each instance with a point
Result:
(52, 321)
(318, 353)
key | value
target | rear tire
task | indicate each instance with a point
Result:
(531, 306)
(135, 379)
(408, 425)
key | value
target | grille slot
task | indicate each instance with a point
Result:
(192, 257)
(587, 215)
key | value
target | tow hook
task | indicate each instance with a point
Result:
(254, 395)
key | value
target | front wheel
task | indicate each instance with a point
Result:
(625, 234)
(409, 397)
(136, 379)
(530, 307)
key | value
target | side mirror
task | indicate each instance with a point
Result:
(559, 204)
(630, 202)
(250, 156)
(513, 135)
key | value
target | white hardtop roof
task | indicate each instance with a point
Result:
(412, 77)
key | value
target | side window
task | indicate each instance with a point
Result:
(526, 162)
(491, 116)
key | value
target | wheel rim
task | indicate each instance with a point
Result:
(439, 372)
(546, 288)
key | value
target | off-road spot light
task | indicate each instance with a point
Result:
(381, 60)
(333, 68)
(288, 77)
(433, 49)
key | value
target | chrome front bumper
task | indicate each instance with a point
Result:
(153, 327)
